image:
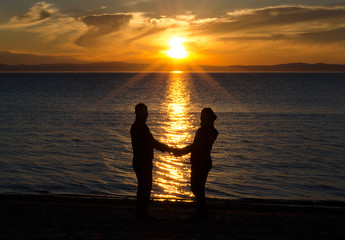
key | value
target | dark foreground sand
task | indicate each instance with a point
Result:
(52, 217)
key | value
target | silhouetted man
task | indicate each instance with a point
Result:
(143, 144)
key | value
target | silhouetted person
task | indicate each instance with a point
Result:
(201, 158)
(143, 144)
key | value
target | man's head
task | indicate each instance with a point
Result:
(141, 112)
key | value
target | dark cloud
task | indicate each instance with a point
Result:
(40, 11)
(287, 15)
(323, 37)
(286, 22)
(147, 33)
(14, 58)
(100, 25)
(270, 37)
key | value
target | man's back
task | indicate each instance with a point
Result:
(142, 143)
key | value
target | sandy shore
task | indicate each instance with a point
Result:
(58, 217)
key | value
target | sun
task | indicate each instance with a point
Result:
(177, 50)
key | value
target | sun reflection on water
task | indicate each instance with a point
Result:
(173, 173)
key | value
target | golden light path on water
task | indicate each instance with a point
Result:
(173, 173)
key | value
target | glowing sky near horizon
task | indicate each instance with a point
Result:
(216, 32)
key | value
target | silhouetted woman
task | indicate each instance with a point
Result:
(201, 158)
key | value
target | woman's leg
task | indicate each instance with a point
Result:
(198, 181)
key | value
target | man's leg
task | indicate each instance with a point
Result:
(143, 193)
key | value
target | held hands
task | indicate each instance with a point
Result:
(177, 152)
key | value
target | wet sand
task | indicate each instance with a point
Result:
(67, 217)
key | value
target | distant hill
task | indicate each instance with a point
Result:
(289, 67)
(99, 66)
(122, 66)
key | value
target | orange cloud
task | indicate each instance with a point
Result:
(39, 12)
(99, 25)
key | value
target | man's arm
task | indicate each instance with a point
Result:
(160, 146)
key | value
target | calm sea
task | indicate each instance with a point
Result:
(281, 135)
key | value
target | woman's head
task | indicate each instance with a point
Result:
(207, 117)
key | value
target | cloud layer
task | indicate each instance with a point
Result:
(280, 22)
(240, 35)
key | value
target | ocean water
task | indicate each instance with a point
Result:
(281, 135)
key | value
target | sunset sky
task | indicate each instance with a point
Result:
(214, 32)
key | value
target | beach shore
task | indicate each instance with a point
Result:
(75, 217)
